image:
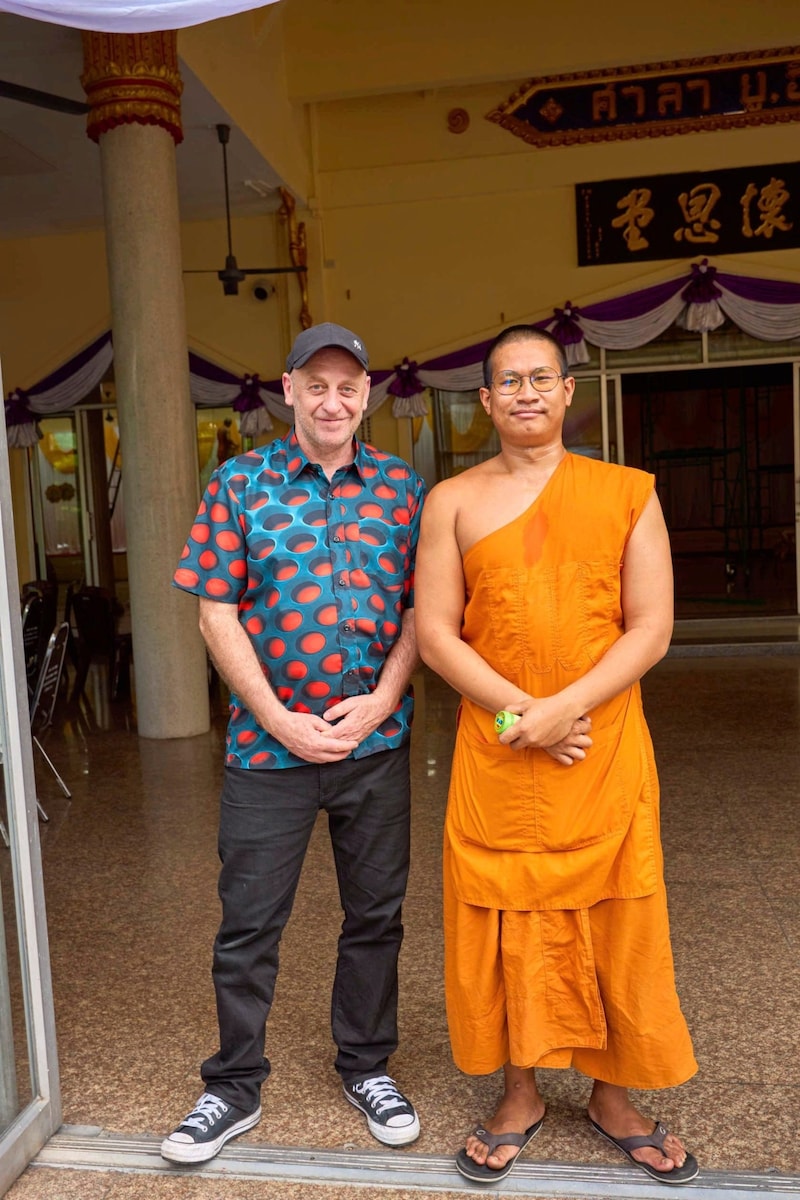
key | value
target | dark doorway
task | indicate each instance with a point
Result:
(719, 443)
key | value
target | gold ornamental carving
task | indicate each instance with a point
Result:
(132, 79)
(298, 251)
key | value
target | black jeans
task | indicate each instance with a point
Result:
(266, 819)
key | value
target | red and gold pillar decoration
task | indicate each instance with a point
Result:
(132, 79)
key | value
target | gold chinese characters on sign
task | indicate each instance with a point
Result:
(670, 216)
(688, 96)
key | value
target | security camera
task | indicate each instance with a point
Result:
(262, 290)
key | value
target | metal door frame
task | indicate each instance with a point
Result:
(30, 1129)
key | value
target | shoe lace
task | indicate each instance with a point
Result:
(207, 1110)
(382, 1093)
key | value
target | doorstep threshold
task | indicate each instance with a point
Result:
(90, 1148)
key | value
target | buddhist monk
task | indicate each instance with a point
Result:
(544, 588)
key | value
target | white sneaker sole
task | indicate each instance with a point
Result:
(197, 1152)
(390, 1135)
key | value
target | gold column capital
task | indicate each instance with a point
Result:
(132, 78)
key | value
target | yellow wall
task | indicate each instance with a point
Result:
(241, 62)
(53, 302)
(377, 46)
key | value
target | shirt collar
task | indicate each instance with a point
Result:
(296, 460)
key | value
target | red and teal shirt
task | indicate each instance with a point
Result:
(321, 571)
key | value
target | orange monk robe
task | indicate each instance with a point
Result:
(556, 931)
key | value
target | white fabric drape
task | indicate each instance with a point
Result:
(75, 387)
(770, 322)
(113, 16)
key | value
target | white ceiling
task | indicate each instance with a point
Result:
(50, 171)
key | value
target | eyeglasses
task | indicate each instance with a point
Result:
(543, 379)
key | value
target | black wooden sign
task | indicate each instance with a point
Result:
(674, 216)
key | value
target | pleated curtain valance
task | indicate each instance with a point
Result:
(767, 309)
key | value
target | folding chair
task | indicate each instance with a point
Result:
(44, 700)
(32, 622)
(49, 611)
(43, 706)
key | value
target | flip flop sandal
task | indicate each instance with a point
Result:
(480, 1172)
(683, 1174)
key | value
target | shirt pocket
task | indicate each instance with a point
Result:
(567, 614)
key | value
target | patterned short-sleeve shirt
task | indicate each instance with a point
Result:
(321, 572)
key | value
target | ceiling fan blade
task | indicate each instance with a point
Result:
(26, 95)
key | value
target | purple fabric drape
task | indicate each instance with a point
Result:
(62, 373)
(406, 382)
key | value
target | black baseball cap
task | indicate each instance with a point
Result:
(318, 337)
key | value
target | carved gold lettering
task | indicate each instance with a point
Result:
(753, 102)
(696, 207)
(670, 94)
(750, 192)
(792, 87)
(771, 200)
(635, 215)
(702, 86)
(604, 104)
(638, 92)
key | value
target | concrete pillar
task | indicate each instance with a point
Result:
(133, 86)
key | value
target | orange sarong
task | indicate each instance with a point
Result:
(556, 928)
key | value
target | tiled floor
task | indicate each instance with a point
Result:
(130, 877)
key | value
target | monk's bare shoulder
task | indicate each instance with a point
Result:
(472, 504)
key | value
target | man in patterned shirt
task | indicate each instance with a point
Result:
(302, 556)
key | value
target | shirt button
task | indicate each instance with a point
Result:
(342, 581)
(336, 537)
(348, 628)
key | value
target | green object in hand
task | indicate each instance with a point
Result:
(504, 720)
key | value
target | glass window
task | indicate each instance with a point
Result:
(730, 342)
(464, 433)
(57, 469)
(583, 431)
(218, 438)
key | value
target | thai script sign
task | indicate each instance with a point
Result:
(689, 96)
(672, 216)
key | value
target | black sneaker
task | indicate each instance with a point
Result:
(390, 1117)
(206, 1129)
